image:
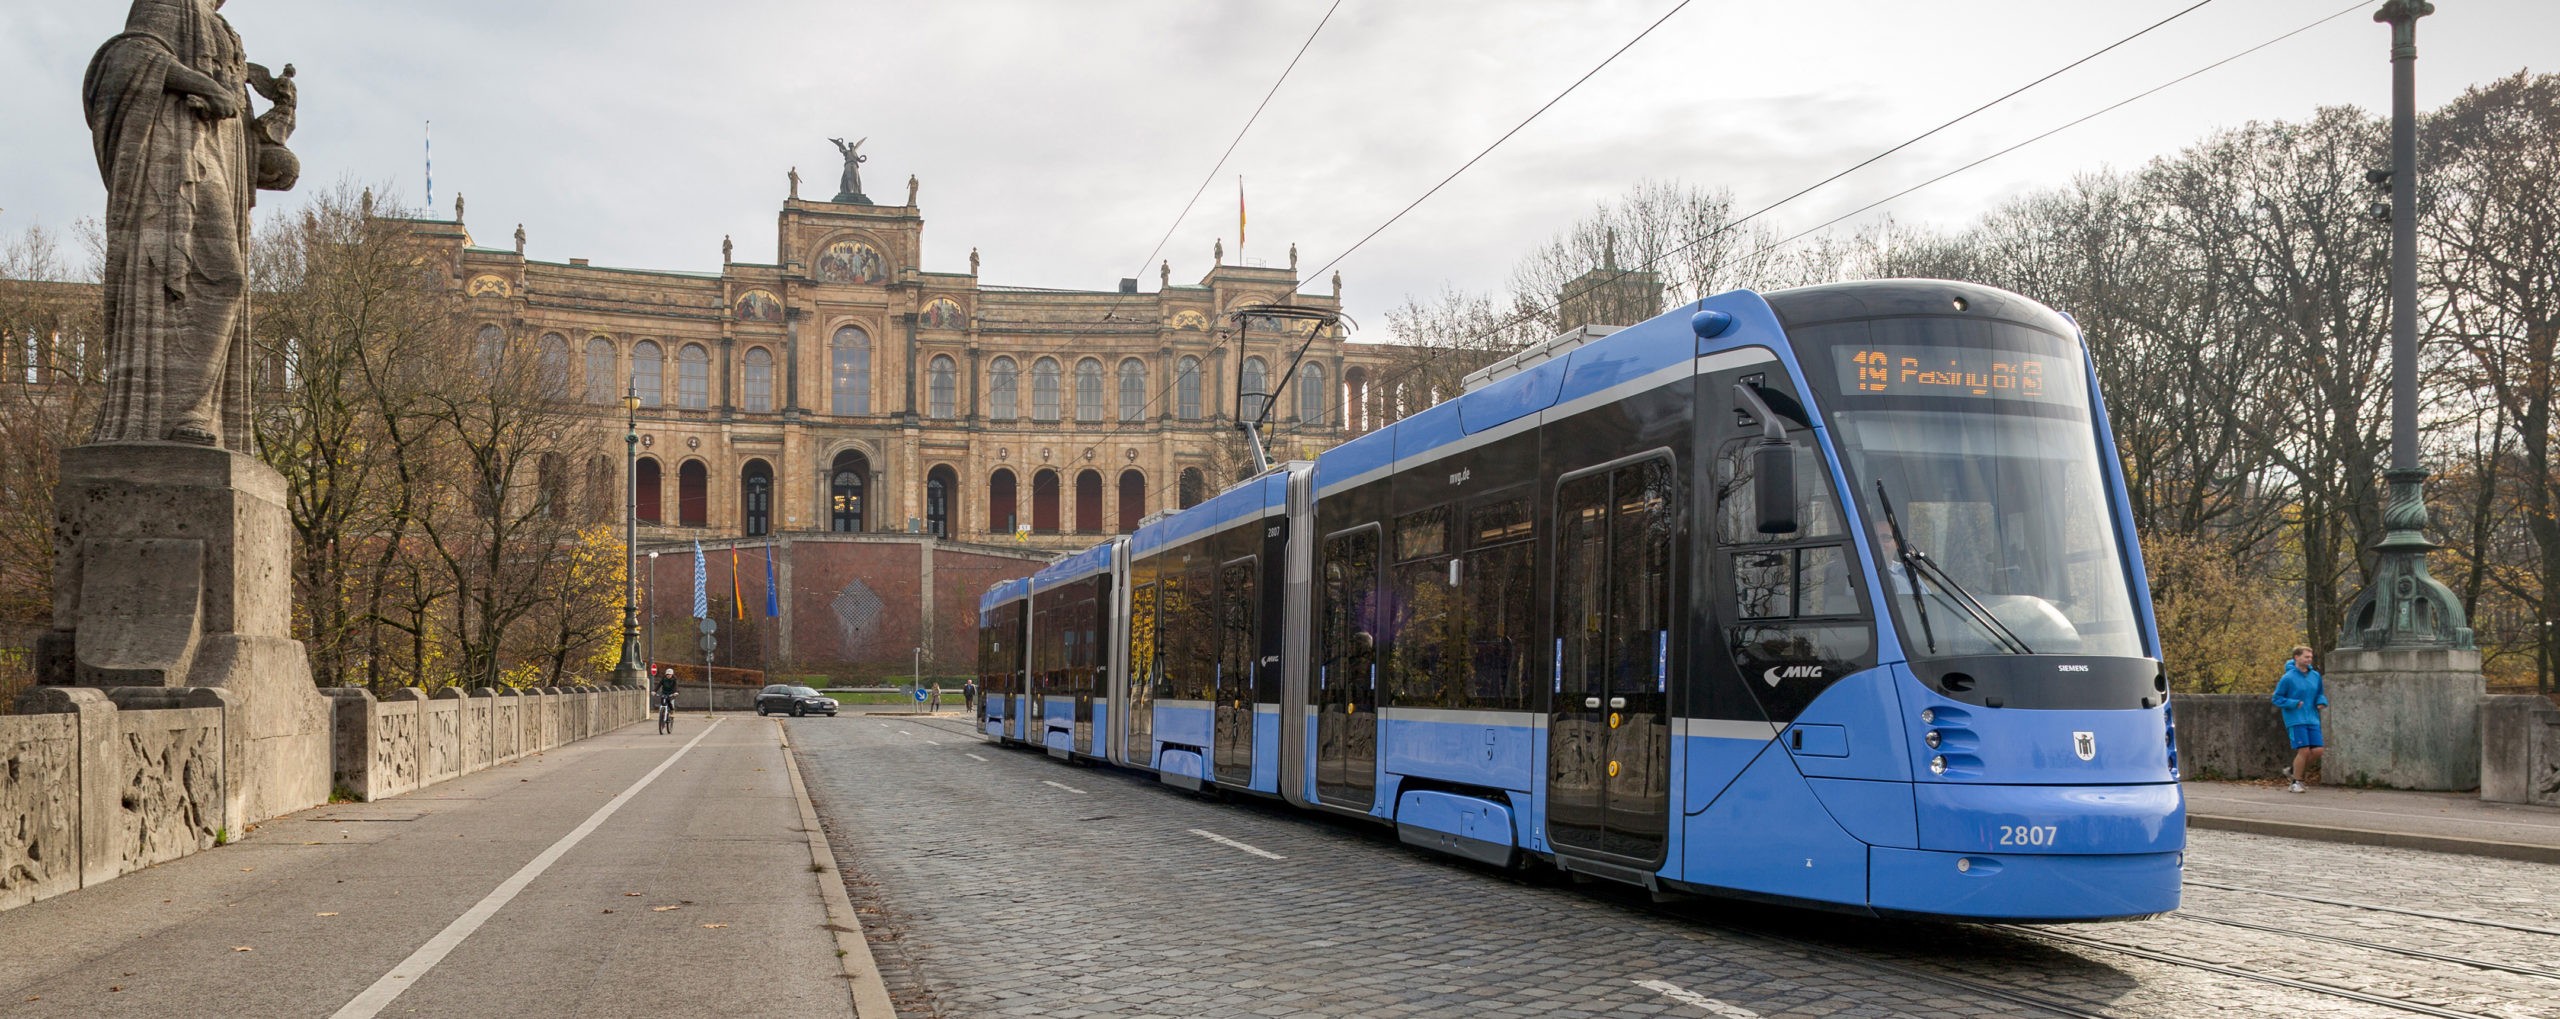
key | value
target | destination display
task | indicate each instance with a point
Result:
(1889, 370)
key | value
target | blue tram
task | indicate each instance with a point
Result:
(1828, 596)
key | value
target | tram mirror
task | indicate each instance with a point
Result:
(1773, 476)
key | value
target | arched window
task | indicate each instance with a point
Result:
(852, 371)
(1194, 487)
(601, 501)
(941, 486)
(1311, 393)
(693, 494)
(693, 377)
(648, 368)
(489, 349)
(551, 487)
(1044, 501)
(1133, 499)
(942, 386)
(645, 501)
(600, 373)
(1044, 390)
(755, 498)
(1001, 514)
(1252, 389)
(1089, 502)
(552, 360)
(1186, 389)
(1355, 398)
(1133, 390)
(759, 381)
(1003, 390)
(845, 487)
(1088, 390)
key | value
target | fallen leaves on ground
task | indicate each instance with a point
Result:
(714, 926)
(240, 948)
(662, 909)
(324, 914)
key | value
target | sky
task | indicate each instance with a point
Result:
(1062, 139)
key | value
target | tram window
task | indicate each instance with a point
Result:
(1736, 521)
(1764, 585)
(1237, 650)
(1199, 637)
(1496, 599)
(1428, 652)
(1423, 533)
(1782, 583)
(1142, 636)
(1499, 521)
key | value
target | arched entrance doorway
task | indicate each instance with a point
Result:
(755, 499)
(847, 482)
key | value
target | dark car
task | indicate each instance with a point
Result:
(795, 700)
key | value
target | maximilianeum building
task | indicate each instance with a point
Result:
(844, 387)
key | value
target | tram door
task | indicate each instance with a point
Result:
(1609, 730)
(1239, 660)
(1346, 680)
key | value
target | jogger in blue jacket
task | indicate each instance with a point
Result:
(2301, 695)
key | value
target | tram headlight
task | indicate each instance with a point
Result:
(1937, 765)
(1928, 715)
(1932, 738)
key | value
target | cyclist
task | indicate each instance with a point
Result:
(665, 696)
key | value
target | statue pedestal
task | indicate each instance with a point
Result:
(172, 569)
(2403, 719)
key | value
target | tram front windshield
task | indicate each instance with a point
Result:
(1988, 458)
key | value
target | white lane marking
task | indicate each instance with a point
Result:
(977, 758)
(1686, 996)
(1068, 788)
(903, 732)
(933, 743)
(406, 974)
(1231, 843)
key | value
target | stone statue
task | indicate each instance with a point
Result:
(1164, 275)
(1218, 251)
(172, 542)
(911, 190)
(726, 249)
(1293, 256)
(795, 183)
(519, 240)
(849, 186)
(973, 261)
(457, 206)
(1337, 284)
(278, 169)
(165, 103)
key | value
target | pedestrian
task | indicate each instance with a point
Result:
(934, 702)
(969, 694)
(2301, 695)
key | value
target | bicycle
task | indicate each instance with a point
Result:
(666, 715)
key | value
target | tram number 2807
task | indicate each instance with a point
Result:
(2027, 834)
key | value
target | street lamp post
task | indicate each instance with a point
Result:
(2404, 684)
(628, 672)
(2405, 608)
(649, 657)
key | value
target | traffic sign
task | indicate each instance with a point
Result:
(707, 642)
(919, 696)
(707, 627)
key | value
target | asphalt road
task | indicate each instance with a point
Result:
(999, 882)
(695, 895)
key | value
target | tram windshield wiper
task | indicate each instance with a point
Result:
(1916, 562)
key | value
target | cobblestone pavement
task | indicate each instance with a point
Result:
(999, 882)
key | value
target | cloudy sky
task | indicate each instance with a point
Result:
(1061, 138)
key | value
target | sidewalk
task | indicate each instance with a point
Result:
(2444, 822)
(628, 874)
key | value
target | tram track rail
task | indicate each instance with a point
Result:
(2372, 907)
(2190, 962)
(2414, 953)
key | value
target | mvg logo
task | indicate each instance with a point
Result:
(1786, 672)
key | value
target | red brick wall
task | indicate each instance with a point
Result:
(855, 607)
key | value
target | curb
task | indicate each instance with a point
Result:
(861, 971)
(2521, 851)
